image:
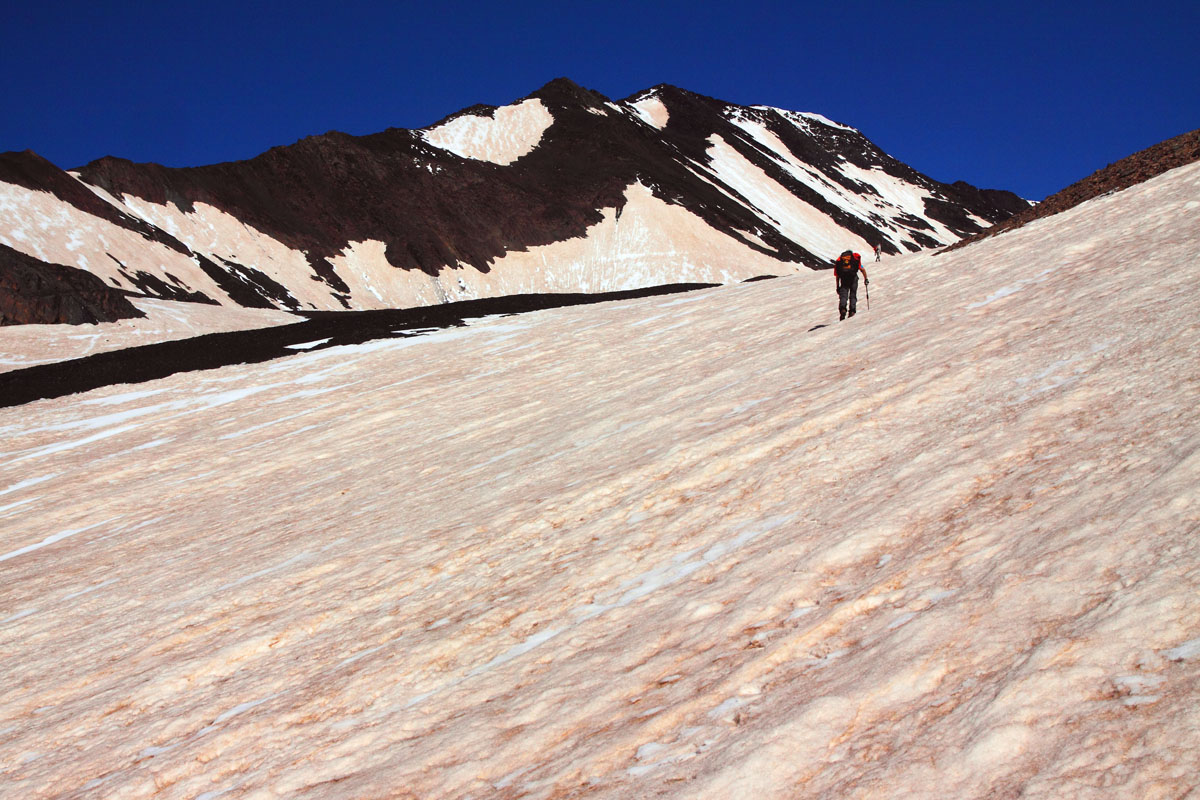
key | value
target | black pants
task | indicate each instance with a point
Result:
(847, 294)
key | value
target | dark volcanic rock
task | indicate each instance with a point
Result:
(153, 286)
(32, 291)
(1137, 168)
(247, 286)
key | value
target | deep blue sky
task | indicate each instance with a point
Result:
(1027, 96)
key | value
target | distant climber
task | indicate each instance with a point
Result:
(877, 249)
(845, 271)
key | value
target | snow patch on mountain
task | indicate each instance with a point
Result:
(651, 110)
(648, 242)
(900, 195)
(41, 225)
(374, 283)
(767, 138)
(804, 119)
(856, 204)
(890, 197)
(776, 206)
(511, 132)
(215, 233)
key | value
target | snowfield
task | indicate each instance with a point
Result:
(702, 546)
(165, 320)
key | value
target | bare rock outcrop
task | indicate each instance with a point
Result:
(32, 291)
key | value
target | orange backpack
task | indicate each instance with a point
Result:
(848, 262)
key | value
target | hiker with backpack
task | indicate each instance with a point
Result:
(845, 272)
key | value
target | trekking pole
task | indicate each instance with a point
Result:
(867, 286)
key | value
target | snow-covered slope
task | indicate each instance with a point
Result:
(709, 545)
(665, 187)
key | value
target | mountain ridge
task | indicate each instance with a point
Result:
(495, 200)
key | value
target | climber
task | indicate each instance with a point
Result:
(845, 271)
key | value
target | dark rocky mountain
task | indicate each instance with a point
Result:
(32, 291)
(564, 190)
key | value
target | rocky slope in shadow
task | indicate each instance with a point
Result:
(35, 292)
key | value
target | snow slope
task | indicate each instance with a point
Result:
(710, 545)
(165, 320)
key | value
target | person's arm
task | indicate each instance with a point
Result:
(864, 272)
